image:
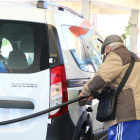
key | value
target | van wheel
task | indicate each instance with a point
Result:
(82, 135)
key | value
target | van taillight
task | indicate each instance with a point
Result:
(58, 90)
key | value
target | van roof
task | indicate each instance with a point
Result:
(41, 4)
(20, 3)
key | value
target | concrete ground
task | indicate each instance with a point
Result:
(105, 138)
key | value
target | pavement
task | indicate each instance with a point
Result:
(105, 138)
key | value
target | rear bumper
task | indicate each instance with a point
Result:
(61, 128)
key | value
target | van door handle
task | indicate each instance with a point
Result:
(14, 104)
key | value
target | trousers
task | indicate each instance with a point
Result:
(129, 130)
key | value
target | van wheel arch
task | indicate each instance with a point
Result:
(82, 135)
(89, 133)
(82, 123)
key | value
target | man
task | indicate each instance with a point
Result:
(110, 73)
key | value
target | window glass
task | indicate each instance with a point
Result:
(6, 48)
(91, 48)
(99, 43)
(14, 45)
(29, 57)
(22, 47)
(94, 41)
(54, 45)
(75, 45)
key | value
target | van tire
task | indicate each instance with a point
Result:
(82, 135)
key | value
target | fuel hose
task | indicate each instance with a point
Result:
(42, 112)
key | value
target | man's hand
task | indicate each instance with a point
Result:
(90, 98)
(81, 95)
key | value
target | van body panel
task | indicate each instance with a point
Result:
(27, 86)
(38, 95)
(24, 14)
(74, 109)
(96, 124)
(61, 128)
(49, 16)
(72, 70)
(81, 22)
(85, 24)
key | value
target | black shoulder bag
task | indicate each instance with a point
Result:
(108, 97)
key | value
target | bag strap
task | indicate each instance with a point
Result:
(127, 74)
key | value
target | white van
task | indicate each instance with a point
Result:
(47, 53)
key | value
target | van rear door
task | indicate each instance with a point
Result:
(24, 79)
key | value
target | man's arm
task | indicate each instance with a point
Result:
(108, 71)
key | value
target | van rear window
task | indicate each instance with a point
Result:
(24, 47)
